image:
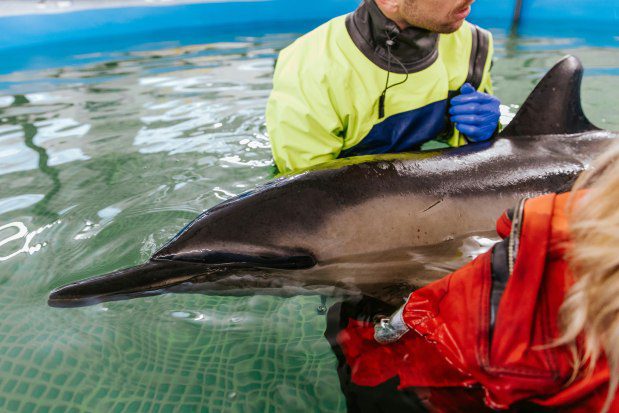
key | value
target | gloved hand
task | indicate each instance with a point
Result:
(475, 114)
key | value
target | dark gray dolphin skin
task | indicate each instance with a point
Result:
(280, 238)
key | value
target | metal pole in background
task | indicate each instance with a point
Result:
(517, 14)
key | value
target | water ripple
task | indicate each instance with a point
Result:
(22, 233)
(128, 149)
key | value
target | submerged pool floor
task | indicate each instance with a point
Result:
(103, 160)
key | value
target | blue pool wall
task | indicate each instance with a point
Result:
(45, 40)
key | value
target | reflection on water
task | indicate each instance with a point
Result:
(21, 236)
(18, 202)
(101, 163)
(14, 154)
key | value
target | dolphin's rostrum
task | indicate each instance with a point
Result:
(366, 207)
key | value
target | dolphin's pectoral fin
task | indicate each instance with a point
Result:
(271, 257)
(553, 108)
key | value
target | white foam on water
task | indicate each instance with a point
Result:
(23, 233)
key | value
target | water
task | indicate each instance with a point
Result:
(105, 159)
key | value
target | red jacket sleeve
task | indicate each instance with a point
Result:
(504, 225)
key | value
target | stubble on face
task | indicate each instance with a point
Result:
(432, 15)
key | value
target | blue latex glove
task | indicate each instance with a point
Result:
(475, 114)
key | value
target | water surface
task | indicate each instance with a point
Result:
(103, 160)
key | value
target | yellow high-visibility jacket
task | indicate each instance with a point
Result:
(326, 92)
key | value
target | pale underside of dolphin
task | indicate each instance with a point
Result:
(320, 231)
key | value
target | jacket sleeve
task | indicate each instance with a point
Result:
(302, 121)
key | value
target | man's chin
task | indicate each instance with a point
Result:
(449, 28)
(439, 27)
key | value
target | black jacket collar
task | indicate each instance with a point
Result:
(370, 30)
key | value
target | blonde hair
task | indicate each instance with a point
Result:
(591, 308)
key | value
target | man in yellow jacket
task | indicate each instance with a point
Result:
(386, 78)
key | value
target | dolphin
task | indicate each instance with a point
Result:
(316, 231)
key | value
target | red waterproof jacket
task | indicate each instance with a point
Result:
(452, 346)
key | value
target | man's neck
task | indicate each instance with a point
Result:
(371, 30)
(393, 16)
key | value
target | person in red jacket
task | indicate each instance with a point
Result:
(531, 325)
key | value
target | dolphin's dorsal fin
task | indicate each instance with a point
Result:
(553, 108)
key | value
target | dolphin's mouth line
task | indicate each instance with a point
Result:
(85, 301)
(262, 285)
(60, 298)
(153, 278)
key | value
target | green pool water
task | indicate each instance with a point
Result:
(101, 163)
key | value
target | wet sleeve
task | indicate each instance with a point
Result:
(302, 120)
